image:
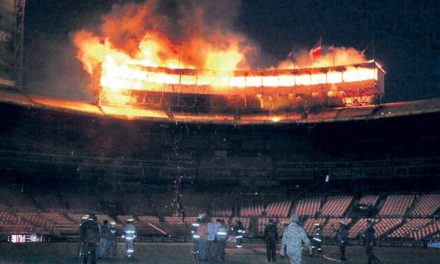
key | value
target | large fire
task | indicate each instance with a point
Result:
(136, 51)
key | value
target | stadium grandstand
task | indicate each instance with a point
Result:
(380, 165)
(158, 144)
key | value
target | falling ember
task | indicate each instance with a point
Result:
(143, 66)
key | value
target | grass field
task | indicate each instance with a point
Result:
(164, 253)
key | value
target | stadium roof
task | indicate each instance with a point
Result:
(337, 114)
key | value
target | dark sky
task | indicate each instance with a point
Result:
(406, 36)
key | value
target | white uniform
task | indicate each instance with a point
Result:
(293, 237)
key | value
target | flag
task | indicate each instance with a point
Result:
(315, 52)
(291, 55)
(331, 48)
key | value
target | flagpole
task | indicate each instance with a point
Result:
(374, 52)
(333, 55)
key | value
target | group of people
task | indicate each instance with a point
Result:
(294, 236)
(209, 238)
(100, 240)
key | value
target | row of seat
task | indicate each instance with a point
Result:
(308, 207)
(396, 205)
(221, 205)
(49, 222)
(336, 206)
(426, 205)
(279, 209)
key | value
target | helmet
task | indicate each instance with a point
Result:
(342, 222)
(93, 217)
(317, 224)
(85, 217)
(113, 224)
(129, 220)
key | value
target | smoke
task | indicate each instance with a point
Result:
(189, 28)
(200, 33)
(331, 56)
(52, 70)
(180, 21)
(194, 30)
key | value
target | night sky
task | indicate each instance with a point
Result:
(406, 38)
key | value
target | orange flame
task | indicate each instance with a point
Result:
(336, 57)
(134, 37)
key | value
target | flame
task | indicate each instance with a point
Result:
(136, 52)
(336, 56)
(139, 35)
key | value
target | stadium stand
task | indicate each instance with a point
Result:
(385, 225)
(408, 227)
(358, 228)
(141, 227)
(426, 231)
(332, 226)
(369, 200)
(221, 205)
(278, 209)
(245, 221)
(309, 224)
(336, 206)
(262, 222)
(121, 168)
(253, 210)
(308, 206)
(11, 221)
(148, 219)
(36, 220)
(426, 205)
(222, 212)
(399, 225)
(58, 219)
(76, 217)
(396, 205)
(173, 220)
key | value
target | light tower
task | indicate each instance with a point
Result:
(19, 39)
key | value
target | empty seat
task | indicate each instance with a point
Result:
(336, 206)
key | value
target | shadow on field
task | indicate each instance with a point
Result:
(180, 253)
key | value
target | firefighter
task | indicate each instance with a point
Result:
(81, 244)
(89, 237)
(195, 236)
(342, 238)
(291, 244)
(112, 243)
(317, 238)
(129, 234)
(370, 242)
(239, 234)
(271, 237)
(221, 237)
